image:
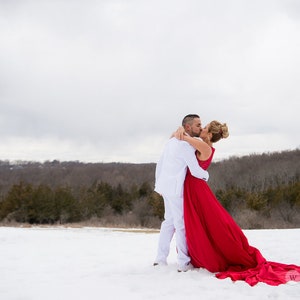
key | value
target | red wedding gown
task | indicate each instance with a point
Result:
(217, 243)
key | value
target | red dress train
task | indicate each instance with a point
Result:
(217, 243)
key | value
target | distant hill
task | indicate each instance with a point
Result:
(257, 171)
(249, 172)
(259, 191)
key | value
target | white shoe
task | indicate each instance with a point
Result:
(185, 268)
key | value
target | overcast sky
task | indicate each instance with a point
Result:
(110, 80)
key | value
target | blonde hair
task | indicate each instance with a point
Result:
(218, 130)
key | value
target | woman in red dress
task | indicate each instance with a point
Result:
(214, 239)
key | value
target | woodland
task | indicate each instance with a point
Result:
(258, 190)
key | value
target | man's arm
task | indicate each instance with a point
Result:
(192, 163)
(158, 168)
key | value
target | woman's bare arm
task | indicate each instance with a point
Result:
(204, 150)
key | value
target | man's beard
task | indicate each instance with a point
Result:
(194, 134)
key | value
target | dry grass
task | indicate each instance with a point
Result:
(93, 224)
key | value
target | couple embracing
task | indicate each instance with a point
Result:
(206, 234)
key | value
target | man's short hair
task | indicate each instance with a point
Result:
(189, 119)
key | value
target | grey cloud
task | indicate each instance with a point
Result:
(85, 73)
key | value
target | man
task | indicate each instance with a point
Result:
(169, 179)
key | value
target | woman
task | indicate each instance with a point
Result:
(214, 240)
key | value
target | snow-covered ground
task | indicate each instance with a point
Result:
(60, 263)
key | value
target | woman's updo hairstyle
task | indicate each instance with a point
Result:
(218, 130)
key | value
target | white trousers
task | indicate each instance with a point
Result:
(173, 223)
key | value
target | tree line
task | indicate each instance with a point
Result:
(259, 191)
(26, 203)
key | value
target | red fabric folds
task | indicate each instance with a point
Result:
(271, 273)
(218, 244)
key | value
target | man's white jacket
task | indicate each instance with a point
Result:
(172, 166)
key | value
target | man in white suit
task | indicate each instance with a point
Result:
(169, 180)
